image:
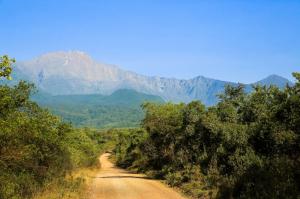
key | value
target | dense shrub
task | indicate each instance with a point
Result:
(35, 146)
(246, 146)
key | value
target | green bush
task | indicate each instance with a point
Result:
(35, 146)
(174, 178)
(246, 146)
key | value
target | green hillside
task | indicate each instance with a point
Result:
(120, 109)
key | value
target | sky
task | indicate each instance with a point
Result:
(234, 40)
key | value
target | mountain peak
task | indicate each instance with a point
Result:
(274, 76)
(65, 55)
(75, 65)
(274, 80)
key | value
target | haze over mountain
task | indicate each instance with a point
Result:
(75, 72)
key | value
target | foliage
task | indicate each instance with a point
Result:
(35, 146)
(247, 146)
(5, 66)
(127, 141)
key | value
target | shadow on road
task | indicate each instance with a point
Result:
(141, 177)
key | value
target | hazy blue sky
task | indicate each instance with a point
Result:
(230, 40)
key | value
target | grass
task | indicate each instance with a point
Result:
(74, 186)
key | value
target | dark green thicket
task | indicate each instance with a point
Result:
(247, 146)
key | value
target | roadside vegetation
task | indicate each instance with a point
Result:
(247, 146)
(37, 150)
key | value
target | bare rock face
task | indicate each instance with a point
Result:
(74, 72)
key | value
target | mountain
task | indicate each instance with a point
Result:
(120, 109)
(274, 80)
(74, 72)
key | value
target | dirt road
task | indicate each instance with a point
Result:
(115, 183)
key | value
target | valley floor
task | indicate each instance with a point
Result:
(115, 183)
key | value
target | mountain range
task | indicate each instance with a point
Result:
(87, 93)
(76, 73)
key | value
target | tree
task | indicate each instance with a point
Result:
(36, 147)
(246, 146)
(5, 66)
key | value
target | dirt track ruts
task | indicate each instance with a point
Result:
(114, 183)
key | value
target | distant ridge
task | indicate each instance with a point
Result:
(75, 72)
(120, 109)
